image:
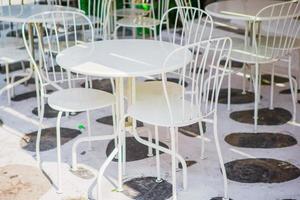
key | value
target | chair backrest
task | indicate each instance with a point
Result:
(189, 25)
(201, 97)
(281, 28)
(188, 3)
(55, 31)
(101, 14)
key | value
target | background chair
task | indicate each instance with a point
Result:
(150, 22)
(68, 97)
(273, 44)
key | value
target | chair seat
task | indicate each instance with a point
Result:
(131, 12)
(12, 55)
(138, 22)
(145, 90)
(245, 54)
(80, 99)
(154, 110)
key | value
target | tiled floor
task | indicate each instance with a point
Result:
(204, 176)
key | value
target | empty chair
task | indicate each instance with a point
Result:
(68, 97)
(269, 46)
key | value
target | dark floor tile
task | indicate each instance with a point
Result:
(188, 163)
(266, 79)
(24, 96)
(1, 122)
(261, 170)
(48, 138)
(30, 81)
(134, 149)
(146, 188)
(218, 198)
(14, 67)
(260, 140)
(233, 64)
(287, 91)
(192, 130)
(104, 85)
(109, 121)
(266, 116)
(50, 113)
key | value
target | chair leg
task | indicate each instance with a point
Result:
(229, 86)
(294, 90)
(88, 113)
(150, 150)
(101, 172)
(202, 140)
(177, 145)
(59, 172)
(244, 78)
(173, 156)
(7, 83)
(158, 179)
(38, 137)
(271, 107)
(221, 161)
(256, 88)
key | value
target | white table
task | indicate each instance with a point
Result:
(122, 59)
(244, 10)
(20, 13)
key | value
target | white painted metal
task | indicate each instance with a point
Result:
(198, 103)
(122, 59)
(64, 33)
(273, 44)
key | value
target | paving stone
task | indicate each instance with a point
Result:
(14, 67)
(266, 116)
(288, 91)
(233, 64)
(192, 130)
(261, 170)
(173, 80)
(50, 113)
(260, 140)
(236, 96)
(188, 163)
(24, 96)
(83, 173)
(48, 138)
(108, 120)
(104, 85)
(146, 188)
(134, 149)
(20, 182)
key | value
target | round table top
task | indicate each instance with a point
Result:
(20, 13)
(123, 58)
(238, 9)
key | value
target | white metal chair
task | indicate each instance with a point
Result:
(10, 53)
(195, 104)
(48, 74)
(129, 9)
(269, 46)
(151, 21)
(187, 29)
